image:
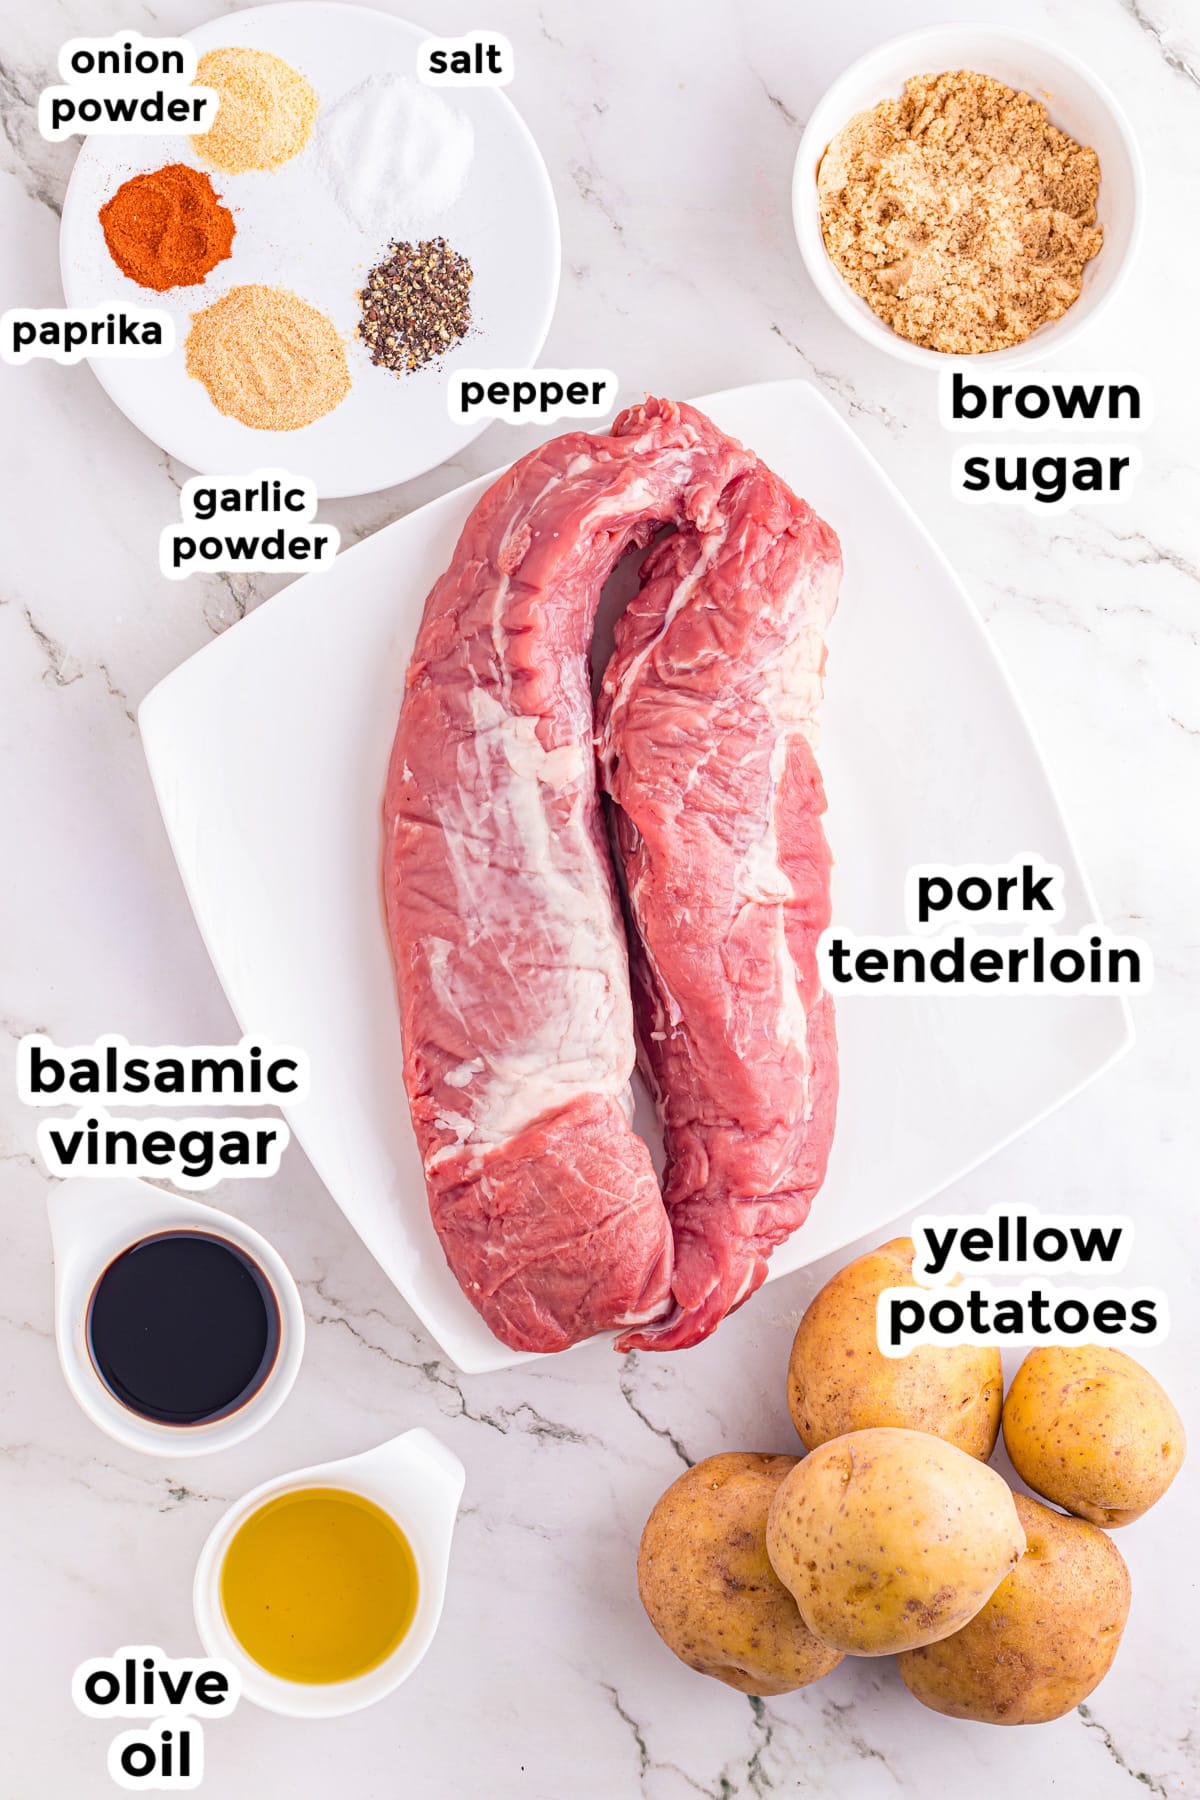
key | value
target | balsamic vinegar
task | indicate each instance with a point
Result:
(183, 1327)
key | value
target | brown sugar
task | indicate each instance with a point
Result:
(959, 213)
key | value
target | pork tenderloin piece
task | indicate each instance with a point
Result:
(503, 912)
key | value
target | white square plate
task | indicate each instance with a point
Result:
(268, 752)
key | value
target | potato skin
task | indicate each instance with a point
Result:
(1090, 1429)
(839, 1380)
(890, 1538)
(1043, 1641)
(708, 1588)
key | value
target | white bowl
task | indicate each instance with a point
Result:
(419, 1483)
(1078, 103)
(91, 1223)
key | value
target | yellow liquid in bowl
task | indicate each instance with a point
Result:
(319, 1585)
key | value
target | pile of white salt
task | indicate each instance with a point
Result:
(396, 155)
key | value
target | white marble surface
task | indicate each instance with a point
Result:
(669, 131)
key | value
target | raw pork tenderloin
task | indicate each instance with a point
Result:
(503, 913)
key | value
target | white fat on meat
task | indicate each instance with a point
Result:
(625, 685)
(790, 694)
(499, 820)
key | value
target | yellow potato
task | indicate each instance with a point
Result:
(1091, 1430)
(889, 1539)
(708, 1588)
(839, 1380)
(1043, 1641)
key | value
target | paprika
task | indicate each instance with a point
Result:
(167, 229)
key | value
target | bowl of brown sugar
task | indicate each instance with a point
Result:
(967, 191)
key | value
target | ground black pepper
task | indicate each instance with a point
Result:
(416, 304)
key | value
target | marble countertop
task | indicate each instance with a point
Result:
(669, 132)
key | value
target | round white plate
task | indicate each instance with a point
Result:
(292, 233)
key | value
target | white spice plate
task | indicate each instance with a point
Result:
(293, 233)
(268, 752)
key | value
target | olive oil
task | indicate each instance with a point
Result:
(319, 1585)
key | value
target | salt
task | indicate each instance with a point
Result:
(395, 154)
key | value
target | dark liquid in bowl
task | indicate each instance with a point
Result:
(183, 1327)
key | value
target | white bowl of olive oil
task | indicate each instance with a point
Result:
(324, 1587)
